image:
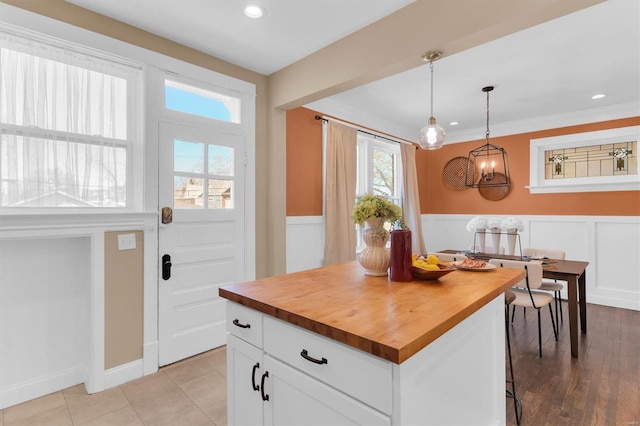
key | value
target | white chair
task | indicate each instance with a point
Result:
(449, 257)
(548, 284)
(526, 294)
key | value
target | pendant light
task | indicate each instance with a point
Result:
(491, 160)
(431, 136)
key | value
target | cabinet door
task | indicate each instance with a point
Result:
(298, 399)
(244, 373)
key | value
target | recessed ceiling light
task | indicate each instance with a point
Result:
(453, 123)
(598, 96)
(253, 11)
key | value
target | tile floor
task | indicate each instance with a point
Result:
(189, 392)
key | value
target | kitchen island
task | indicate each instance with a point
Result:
(334, 346)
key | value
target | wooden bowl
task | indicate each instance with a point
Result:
(423, 274)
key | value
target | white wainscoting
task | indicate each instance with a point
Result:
(611, 245)
(52, 303)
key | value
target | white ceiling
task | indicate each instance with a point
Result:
(550, 70)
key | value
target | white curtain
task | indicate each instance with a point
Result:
(411, 197)
(67, 130)
(341, 158)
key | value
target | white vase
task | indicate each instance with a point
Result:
(495, 236)
(481, 235)
(511, 241)
(375, 256)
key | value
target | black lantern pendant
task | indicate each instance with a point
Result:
(487, 165)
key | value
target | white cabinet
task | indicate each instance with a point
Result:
(244, 372)
(296, 398)
(282, 385)
(303, 378)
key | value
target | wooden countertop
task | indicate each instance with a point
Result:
(392, 320)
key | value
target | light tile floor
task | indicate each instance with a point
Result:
(189, 392)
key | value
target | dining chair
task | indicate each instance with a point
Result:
(526, 292)
(549, 284)
(449, 257)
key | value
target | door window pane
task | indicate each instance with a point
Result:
(187, 193)
(220, 194)
(188, 157)
(220, 160)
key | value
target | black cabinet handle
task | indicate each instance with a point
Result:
(253, 377)
(236, 322)
(304, 354)
(265, 397)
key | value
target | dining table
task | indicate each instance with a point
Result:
(573, 272)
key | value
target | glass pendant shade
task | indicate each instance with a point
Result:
(432, 135)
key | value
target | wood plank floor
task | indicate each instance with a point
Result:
(600, 387)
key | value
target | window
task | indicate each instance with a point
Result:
(379, 172)
(200, 102)
(200, 184)
(69, 122)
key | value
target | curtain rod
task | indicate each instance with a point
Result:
(359, 129)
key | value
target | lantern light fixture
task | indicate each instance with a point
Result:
(492, 159)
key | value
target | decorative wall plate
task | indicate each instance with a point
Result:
(454, 173)
(494, 193)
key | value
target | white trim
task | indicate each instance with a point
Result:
(43, 385)
(123, 373)
(538, 184)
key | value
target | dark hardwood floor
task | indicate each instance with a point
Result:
(600, 387)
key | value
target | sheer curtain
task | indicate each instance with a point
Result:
(67, 128)
(340, 233)
(411, 197)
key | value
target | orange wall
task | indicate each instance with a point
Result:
(304, 163)
(304, 176)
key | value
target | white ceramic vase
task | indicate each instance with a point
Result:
(495, 236)
(512, 234)
(375, 256)
(482, 240)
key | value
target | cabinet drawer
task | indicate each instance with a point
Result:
(361, 375)
(244, 323)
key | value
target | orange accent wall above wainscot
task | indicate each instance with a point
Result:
(304, 176)
(436, 198)
(304, 163)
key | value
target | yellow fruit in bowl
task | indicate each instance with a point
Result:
(431, 267)
(432, 259)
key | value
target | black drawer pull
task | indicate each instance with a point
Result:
(265, 397)
(253, 377)
(304, 354)
(236, 322)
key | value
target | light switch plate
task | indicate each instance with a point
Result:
(126, 241)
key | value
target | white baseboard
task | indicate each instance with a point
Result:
(40, 386)
(123, 373)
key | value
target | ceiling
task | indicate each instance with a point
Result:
(540, 74)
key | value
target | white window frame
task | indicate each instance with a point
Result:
(134, 143)
(366, 145)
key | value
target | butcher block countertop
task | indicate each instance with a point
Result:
(391, 320)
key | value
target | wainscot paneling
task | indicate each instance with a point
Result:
(611, 245)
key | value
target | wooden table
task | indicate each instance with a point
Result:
(571, 271)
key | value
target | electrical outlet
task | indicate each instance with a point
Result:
(126, 241)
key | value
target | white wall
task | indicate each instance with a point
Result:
(44, 315)
(611, 245)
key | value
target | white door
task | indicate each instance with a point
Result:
(202, 247)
